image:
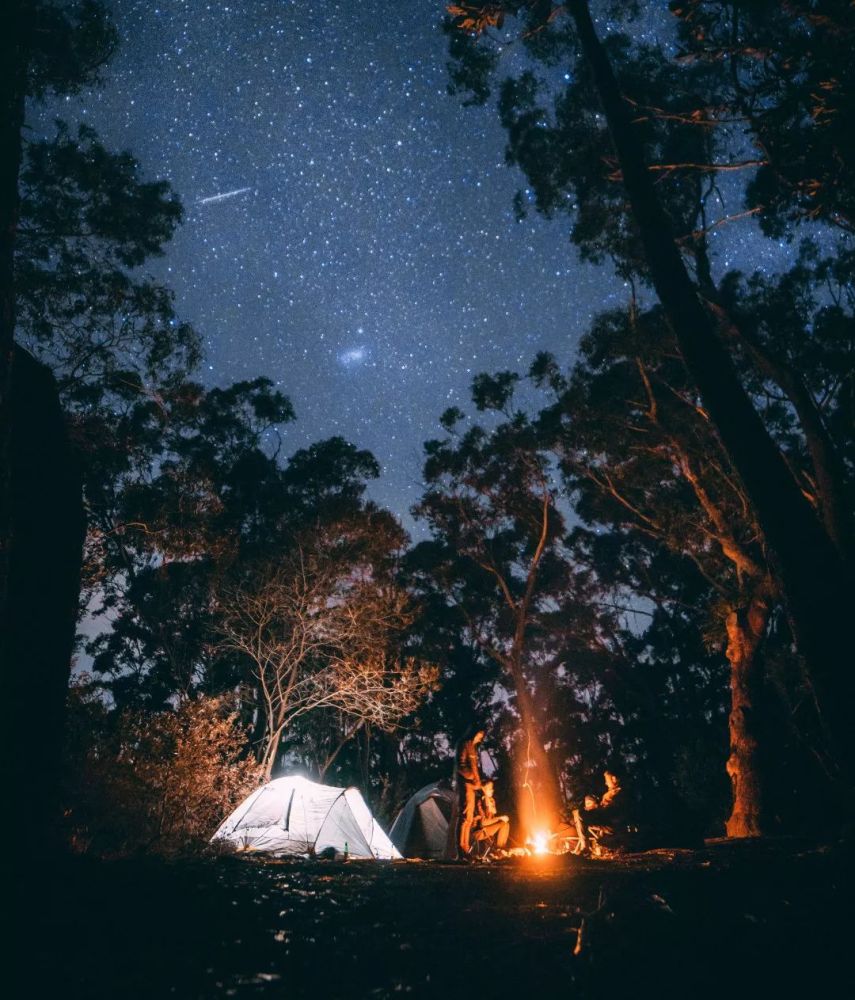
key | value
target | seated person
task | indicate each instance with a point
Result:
(605, 815)
(487, 823)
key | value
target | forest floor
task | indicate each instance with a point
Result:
(762, 919)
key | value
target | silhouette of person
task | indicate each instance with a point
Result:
(467, 778)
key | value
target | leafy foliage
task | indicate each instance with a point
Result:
(153, 782)
(322, 632)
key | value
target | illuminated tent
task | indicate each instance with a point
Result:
(296, 816)
(424, 828)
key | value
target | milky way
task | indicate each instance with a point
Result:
(349, 229)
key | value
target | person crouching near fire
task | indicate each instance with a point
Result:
(488, 824)
(605, 813)
(467, 778)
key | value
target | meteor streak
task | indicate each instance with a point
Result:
(223, 196)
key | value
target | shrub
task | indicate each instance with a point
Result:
(153, 782)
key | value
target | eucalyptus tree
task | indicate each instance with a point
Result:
(600, 632)
(321, 631)
(89, 221)
(171, 472)
(784, 73)
(194, 486)
(640, 457)
(496, 556)
(640, 106)
(108, 333)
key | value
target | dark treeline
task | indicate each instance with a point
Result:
(707, 431)
(641, 560)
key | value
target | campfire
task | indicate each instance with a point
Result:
(542, 842)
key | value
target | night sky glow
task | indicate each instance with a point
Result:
(349, 229)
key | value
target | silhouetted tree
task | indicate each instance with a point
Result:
(639, 454)
(813, 575)
(496, 556)
(45, 48)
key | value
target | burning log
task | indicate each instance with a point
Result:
(562, 841)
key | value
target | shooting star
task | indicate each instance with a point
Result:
(223, 196)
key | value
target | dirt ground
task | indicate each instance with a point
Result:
(770, 919)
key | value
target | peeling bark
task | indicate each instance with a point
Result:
(746, 627)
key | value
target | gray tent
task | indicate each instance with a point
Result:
(424, 828)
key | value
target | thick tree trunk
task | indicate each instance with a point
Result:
(746, 628)
(816, 586)
(828, 470)
(12, 92)
(45, 556)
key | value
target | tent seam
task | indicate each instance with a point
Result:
(327, 816)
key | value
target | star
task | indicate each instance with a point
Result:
(379, 204)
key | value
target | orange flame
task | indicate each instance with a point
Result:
(540, 843)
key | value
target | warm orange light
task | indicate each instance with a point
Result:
(540, 843)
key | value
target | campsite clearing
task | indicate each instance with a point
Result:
(735, 919)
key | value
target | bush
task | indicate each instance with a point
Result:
(152, 782)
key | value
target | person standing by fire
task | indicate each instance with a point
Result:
(467, 777)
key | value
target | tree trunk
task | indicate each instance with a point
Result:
(268, 759)
(827, 466)
(12, 92)
(828, 469)
(258, 727)
(815, 583)
(746, 628)
(333, 755)
(45, 556)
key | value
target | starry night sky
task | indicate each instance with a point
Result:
(370, 264)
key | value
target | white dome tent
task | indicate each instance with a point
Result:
(293, 815)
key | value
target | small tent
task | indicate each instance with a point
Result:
(424, 828)
(293, 815)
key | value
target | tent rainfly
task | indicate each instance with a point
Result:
(293, 815)
(424, 828)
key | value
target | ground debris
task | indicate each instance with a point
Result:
(672, 924)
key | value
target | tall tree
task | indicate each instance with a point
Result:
(45, 48)
(186, 487)
(110, 336)
(639, 454)
(321, 631)
(496, 555)
(815, 579)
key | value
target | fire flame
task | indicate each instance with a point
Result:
(540, 843)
